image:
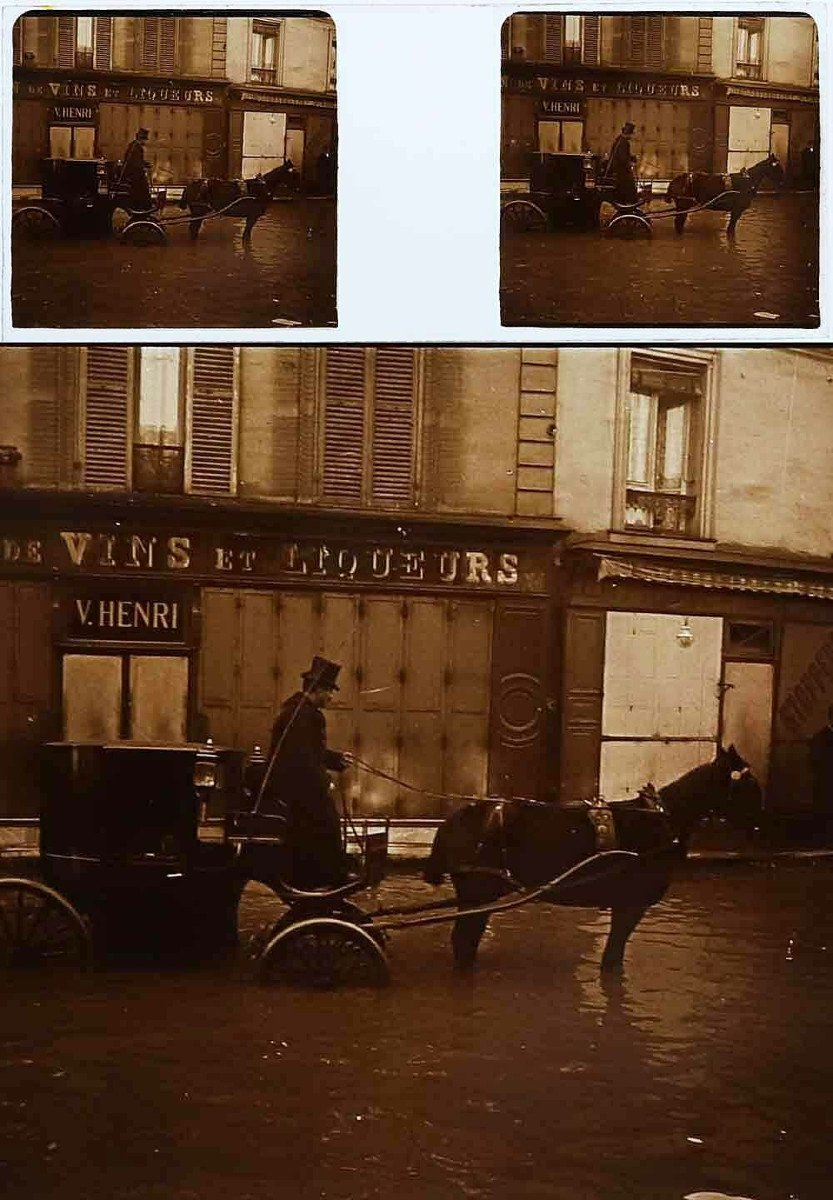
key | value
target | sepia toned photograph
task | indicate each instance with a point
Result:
(659, 169)
(173, 171)
(417, 771)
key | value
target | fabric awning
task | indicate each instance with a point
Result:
(612, 568)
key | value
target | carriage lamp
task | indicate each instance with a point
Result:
(685, 635)
(205, 777)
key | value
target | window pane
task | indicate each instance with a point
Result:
(639, 439)
(572, 31)
(60, 141)
(257, 49)
(673, 435)
(84, 34)
(84, 141)
(159, 385)
(269, 47)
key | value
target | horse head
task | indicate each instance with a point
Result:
(768, 168)
(740, 801)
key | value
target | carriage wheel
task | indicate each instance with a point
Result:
(324, 952)
(522, 216)
(119, 220)
(34, 224)
(38, 927)
(144, 233)
(629, 225)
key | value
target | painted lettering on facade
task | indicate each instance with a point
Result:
(81, 89)
(811, 693)
(109, 615)
(611, 89)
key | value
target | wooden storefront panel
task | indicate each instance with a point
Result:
(581, 724)
(26, 693)
(218, 665)
(519, 722)
(805, 690)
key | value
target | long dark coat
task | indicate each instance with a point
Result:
(134, 177)
(299, 787)
(620, 170)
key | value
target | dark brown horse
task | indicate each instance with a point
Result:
(731, 193)
(493, 847)
(244, 198)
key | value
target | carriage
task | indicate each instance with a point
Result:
(148, 847)
(563, 191)
(82, 198)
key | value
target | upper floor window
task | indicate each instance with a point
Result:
(84, 41)
(664, 446)
(750, 47)
(264, 66)
(551, 37)
(160, 418)
(572, 39)
(158, 44)
(370, 419)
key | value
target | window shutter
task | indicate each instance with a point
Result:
(344, 402)
(106, 416)
(150, 43)
(66, 41)
(212, 420)
(653, 58)
(393, 427)
(167, 44)
(103, 43)
(638, 40)
(553, 38)
(590, 54)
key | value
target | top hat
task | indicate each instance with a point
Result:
(628, 127)
(143, 133)
(322, 674)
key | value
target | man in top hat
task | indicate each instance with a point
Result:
(134, 173)
(620, 164)
(298, 785)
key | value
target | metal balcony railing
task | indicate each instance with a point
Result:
(661, 512)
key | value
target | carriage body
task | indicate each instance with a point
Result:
(565, 187)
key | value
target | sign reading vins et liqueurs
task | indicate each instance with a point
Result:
(311, 559)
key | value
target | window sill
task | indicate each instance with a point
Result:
(673, 541)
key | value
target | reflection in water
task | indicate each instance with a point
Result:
(704, 1069)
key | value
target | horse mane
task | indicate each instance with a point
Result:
(690, 797)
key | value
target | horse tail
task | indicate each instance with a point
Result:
(436, 867)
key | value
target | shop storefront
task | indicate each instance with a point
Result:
(753, 120)
(70, 115)
(562, 110)
(269, 125)
(666, 658)
(168, 628)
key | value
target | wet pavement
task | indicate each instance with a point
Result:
(286, 276)
(707, 1068)
(766, 277)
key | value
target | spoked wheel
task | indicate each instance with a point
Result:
(142, 232)
(324, 952)
(38, 927)
(34, 224)
(629, 225)
(522, 216)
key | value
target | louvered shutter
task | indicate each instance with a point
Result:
(590, 54)
(392, 464)
(103, 43)
(107, 416)
(344, 406)
(553, 38)
(167, 44)
(212, 433)
(638, 40)
(653, 58)
(150, 43)
(66, 41)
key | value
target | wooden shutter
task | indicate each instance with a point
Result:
(639, 34)
(47, 40)
(150, 43)
(167, 44)
(212, 440)
(590, 53)
(103, 43)
(553, 37)
(653, 52)
(107, 415)
(66, 41)
(392, 464)
(344, 405)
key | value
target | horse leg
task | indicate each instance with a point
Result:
(623, 920)
(194, 228)
(734, 214)
(251, 221)
(680, 218)
(469, 929)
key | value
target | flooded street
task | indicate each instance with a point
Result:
(766, 277)
(286, 276)
(706, 1068)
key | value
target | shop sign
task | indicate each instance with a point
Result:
(74, 114)
(282, 101)
(562, 108)
(124, 615)
(185, 555)
(806, 688)
(613, 88)
(138, 93)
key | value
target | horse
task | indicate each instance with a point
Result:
(695, 188)
(245, 198)
(493, 847)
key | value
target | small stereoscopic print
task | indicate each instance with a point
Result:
(672, 160)
(174, 171)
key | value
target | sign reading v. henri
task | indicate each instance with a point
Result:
(122, 616)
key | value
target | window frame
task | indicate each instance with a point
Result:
(748, 68)
(257, 72)
(700, 363)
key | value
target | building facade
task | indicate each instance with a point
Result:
(546, 573)
(221, 96)
(706, 93)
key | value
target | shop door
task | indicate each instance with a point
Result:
(71, 141)
(560, 137)
(264, 142)
(661, 699)
(295, 148)
(779, 142)
(747, 713)
(749, 131)
(111, 696)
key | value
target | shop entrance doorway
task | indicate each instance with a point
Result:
(140, 697)
(560, 137)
